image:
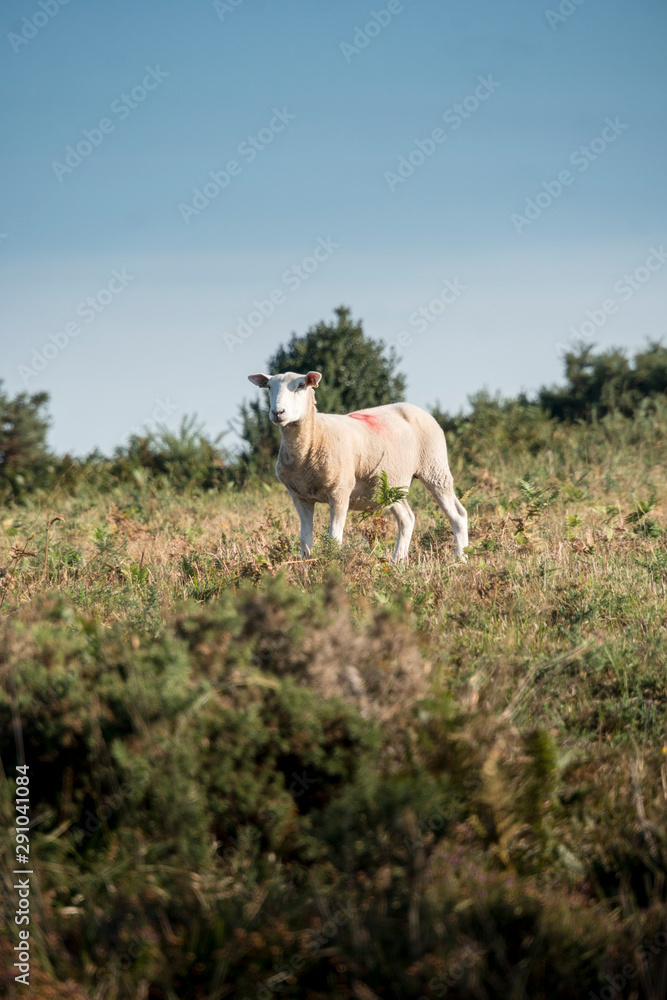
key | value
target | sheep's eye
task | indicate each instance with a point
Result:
(302, 385)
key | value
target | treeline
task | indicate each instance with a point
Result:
(360, 373)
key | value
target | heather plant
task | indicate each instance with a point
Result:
(208, 810)
(252, 775)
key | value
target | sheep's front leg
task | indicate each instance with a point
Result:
(306, 512)
(338, 506)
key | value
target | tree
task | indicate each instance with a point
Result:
(357, 372)
(599, 383)
(25, 461)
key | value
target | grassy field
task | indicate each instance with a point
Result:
(251, 776)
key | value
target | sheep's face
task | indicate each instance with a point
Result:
(289, 396)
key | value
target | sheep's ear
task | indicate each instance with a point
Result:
(313, 378)
(261, 380)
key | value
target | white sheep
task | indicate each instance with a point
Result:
(337, 459)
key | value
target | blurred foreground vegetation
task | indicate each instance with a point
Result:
(253, 777)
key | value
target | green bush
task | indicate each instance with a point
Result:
(224, 805)
(494, 429)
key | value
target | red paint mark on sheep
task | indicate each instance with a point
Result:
(373, 423)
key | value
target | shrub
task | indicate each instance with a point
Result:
(185, 460)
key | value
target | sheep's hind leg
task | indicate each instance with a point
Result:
(338, 507)
(405, 520)
(447, 499)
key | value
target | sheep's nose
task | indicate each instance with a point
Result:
(279, 413)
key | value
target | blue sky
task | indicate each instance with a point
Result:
(305, 109)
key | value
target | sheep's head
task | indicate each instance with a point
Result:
(289, 397)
